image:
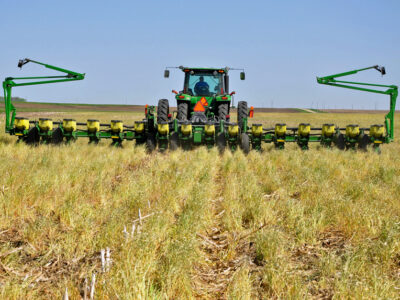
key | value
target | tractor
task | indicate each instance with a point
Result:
(203, 105)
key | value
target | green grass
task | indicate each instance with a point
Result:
(302, 110)
(276, 224)
(317, 110)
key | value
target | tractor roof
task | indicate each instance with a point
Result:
(221, 70)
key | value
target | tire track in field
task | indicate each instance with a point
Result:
(223, 252)
(211, 277)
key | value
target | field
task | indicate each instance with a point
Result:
(69, 107)
(278, 224)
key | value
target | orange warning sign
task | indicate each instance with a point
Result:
(204, 101)
(199, 107)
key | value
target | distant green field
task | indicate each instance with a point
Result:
(16, 99)
(77, 107)
(68, 107)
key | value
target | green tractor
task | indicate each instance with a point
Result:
(203, 113)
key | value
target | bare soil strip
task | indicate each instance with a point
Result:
(223, 253)
(210, 279)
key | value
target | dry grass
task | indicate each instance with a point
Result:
(276, 224)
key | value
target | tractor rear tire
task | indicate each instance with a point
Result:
(162, 110)
(151, 143)
(57, 137)
(363, 143)
(221, 142)
(242, 112)
(341, 142)
(174, 141)
(223, 109)
(33, 136)
(245, 143)
(183, 110)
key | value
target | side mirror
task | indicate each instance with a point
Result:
(242, 76)
(380, 69)
(166, 74)
(22, 62)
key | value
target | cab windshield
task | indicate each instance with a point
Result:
(204, 84)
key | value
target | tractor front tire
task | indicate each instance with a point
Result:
(183, 110)
(242, 112)
(33, 136)
(57, 137)
(221, 142)
(162, 111)
(174, 141)
(245, 143)
(223, 111)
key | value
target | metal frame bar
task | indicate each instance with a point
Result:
(9, 83)
(392, 91)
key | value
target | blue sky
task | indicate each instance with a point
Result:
(124, 46)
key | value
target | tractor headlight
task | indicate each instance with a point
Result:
(304, 129)
(256, 129)
(93, 125)
(69, 125)
(328, 130)
(209, 129)
(21, 123)
(117, 126)
(139, 126)
(163, 128)
(377, 131)
(352, 130)
(233, 130)
(45, 124)
(280, 129)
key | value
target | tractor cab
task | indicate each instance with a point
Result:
(205, 92)
(203, 82)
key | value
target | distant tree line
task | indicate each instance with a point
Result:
(17, 99)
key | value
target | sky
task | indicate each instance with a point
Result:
(124, 47)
